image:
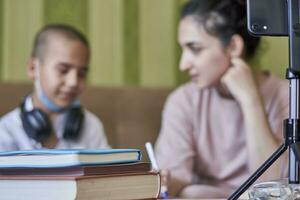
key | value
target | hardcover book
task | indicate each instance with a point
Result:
(78, 170)
(67, 157)
(101, 187)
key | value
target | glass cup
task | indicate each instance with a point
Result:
(296, 191)
(272, 190)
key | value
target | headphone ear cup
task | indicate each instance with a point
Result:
(36, 124)
(73, 125)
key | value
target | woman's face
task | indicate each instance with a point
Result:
(203, 55)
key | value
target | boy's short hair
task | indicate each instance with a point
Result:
(67, 31)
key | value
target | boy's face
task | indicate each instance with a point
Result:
(62, 70)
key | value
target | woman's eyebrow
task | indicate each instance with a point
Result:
(191, 44)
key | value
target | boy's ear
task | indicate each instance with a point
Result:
(31, 67)
(236, 46)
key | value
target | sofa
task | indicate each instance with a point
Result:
(131, 115)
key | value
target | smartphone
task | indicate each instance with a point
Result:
(267, 17)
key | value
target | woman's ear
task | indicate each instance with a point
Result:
(236, 46)
(31, 67)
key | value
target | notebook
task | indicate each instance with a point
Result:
(67, 157)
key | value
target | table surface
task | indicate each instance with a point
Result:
(196, 199)
(243, 197)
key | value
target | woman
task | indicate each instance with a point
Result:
(220, 127)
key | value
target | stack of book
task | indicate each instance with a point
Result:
(77, 174)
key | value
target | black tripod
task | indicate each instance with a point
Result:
(292, 124)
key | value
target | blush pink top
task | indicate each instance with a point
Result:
(202, 138)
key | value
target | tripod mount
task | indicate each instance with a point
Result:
(292, 124)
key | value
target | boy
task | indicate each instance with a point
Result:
(51, 116)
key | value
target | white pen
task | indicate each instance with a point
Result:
(150, 152)
(149, 149)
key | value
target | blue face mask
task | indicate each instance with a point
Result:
(51, 105)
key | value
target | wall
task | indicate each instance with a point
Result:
(133, 41)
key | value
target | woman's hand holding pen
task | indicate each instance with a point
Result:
(165, 177)
(164, 174)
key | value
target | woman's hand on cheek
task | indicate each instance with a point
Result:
(240, 82)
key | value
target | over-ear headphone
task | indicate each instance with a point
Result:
(38, 126)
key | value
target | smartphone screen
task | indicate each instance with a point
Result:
(267, 17)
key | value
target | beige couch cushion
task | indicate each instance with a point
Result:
(131, 115)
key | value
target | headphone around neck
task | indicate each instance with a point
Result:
(38, 126)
